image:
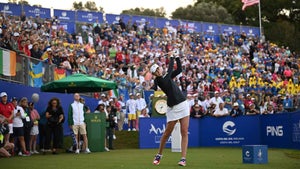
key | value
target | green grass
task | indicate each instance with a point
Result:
(128, 156)
(215, 158)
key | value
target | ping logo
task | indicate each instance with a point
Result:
(228, 128)
(275, 131)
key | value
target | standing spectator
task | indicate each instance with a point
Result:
(27, 122)
(55, 118)
(111, 124)
(131, 107)
(19, 115)
(7, 110)
(288, 103)
(35, 117)
(141, 108)
(76, 122)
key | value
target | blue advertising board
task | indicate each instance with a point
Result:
(152, 129)
(229, 29)
(228, 131)
(250, 31)
(210, 28)
(162, 22)
(36, 12)
(65, 15)
(276, 130)
(112, 18)
(89, 17)
(10, 9)
(190, 26)
(68, 26)
(295, 129)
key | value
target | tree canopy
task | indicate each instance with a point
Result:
(204, 11)
(158, 12)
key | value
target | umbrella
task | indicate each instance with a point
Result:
(78, 83)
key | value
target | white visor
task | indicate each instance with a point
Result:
(153, 68)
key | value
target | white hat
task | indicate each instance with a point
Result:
(16, 34)
(3, 94)
(216, 92)
(130, 94)
(138, 94)
(103, 95)
(235, 104)
(49, 49)
(153, 68)
(248, 95)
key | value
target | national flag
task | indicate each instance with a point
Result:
(249, 3)
(36, 74)
(59, 73)
(113, 93)
(8, 63)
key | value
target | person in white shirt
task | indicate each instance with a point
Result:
(221, 111)
(216, 99)
(18, 130)
(77, 124)
(141, 107)
(131, 107)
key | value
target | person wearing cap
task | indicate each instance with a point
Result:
(7, 110)
(141, 107)
(235, 111)
(178, 107)
(131, 107)
(35, 51)
(216, 100)
(227, 100)
(197, 111)
(18, 127)
(103, 100)
(252, 110)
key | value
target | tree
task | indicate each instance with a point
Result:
(204, 11)
(78, 5)
(20, 2)
(158, 12)
(91, 6)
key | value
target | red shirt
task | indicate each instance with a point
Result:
(6, 110)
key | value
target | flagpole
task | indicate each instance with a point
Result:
(259, 13)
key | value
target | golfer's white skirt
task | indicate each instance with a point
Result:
(178, 111)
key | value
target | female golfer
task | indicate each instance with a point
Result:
(178, 108)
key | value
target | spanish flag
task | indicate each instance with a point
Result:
(8, 63)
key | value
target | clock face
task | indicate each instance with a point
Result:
(161, 106)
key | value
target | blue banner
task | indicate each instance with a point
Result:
(276, 130)
(147, 94)
(162, 22)
(65, 15)
(229, 29)
(152, 129)
(89, 17)
(126, 19)
(141, 20)
(67, 26)
(10, 9)
(295, 129)
(250, 31)
(125, 93)
(210, 28)
(113, 19)
(37, 12)
(229, 131)
(190, 27)
(173, 23)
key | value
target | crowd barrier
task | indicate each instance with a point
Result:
(278, 131)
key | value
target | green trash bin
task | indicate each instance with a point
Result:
(96, 125)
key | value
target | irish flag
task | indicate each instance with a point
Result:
(8, 63)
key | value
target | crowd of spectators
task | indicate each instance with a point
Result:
(241, 65)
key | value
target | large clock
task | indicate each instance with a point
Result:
(161, 106)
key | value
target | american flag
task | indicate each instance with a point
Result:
(249, 3)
